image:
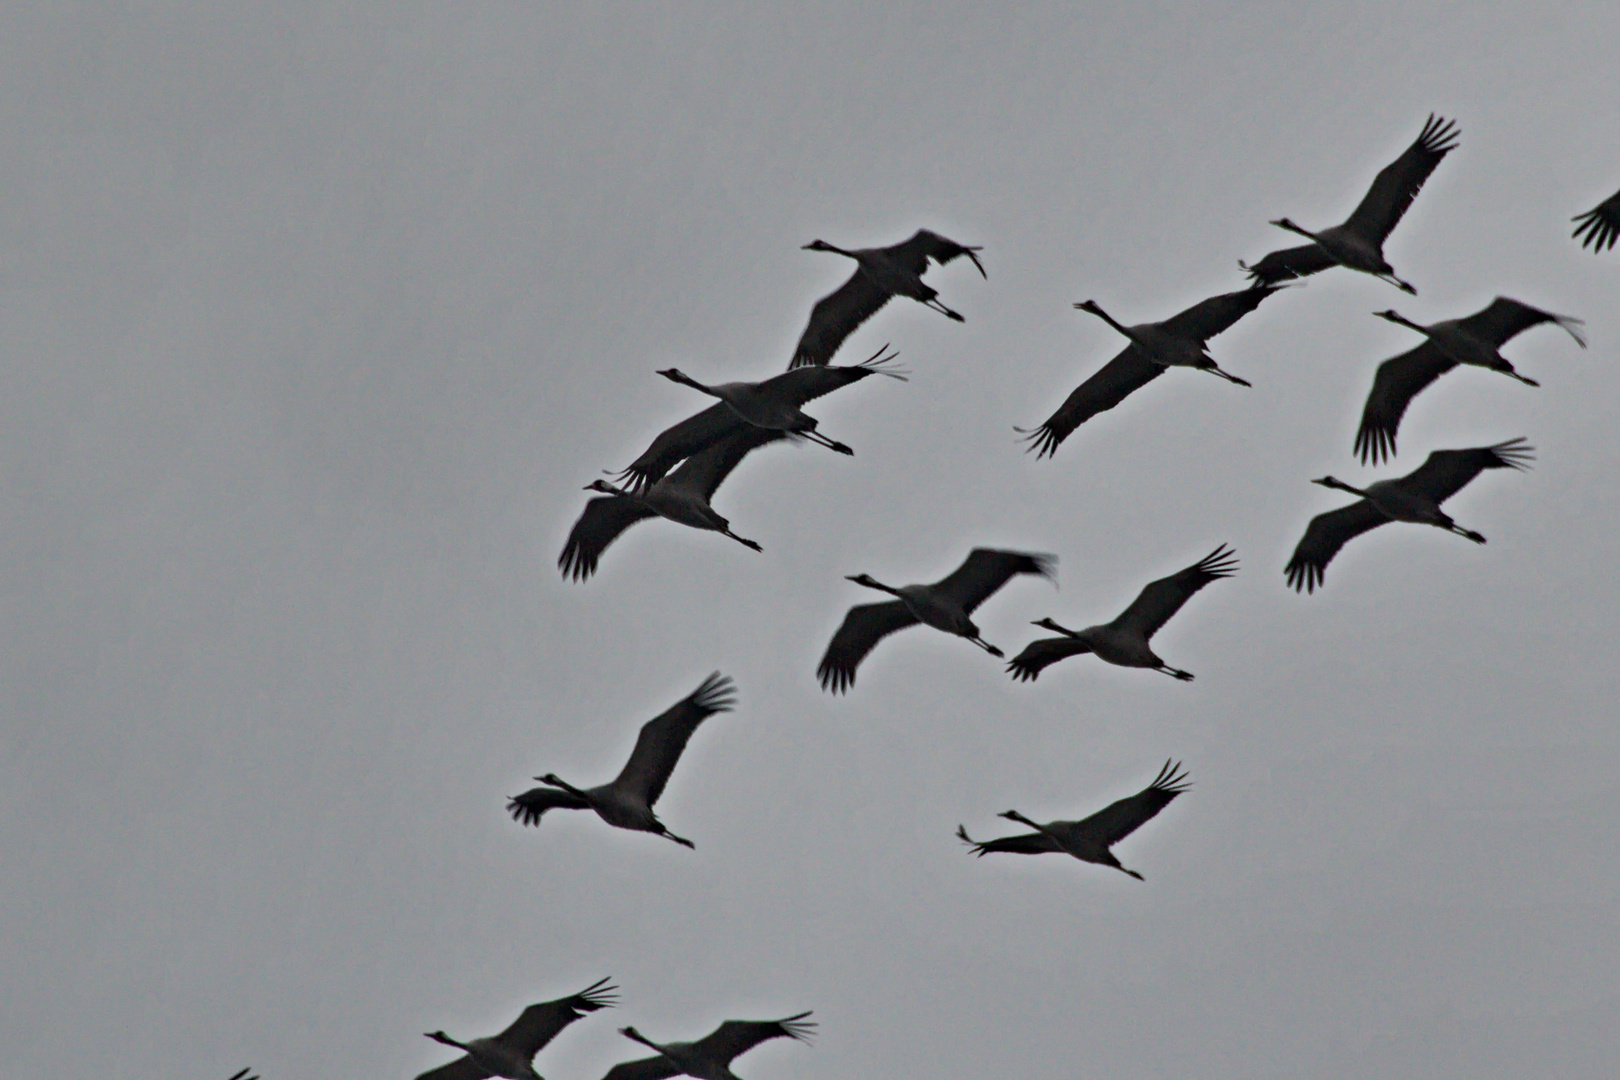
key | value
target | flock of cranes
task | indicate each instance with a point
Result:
(677, 476)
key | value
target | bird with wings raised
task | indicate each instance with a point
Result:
(1125, 640)
(1359, 242)
(627, 801)
(1415, 497)
(1088, 840)
(682, 497)
(1600, 225)
(774, 404)
(710, 1057)
(511, 1053)
(880, 273)
(1475, 340)
(1179, 341)
(947, 605)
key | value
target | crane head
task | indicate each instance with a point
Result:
(439, 1036)
(818, 245)
(1335, 482)
(1091, 306)
(602, 486)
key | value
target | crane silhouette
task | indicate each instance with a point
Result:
(1125, 640)
(710, 1057)
(627, 800)
(1181, 339)
(511, 1053)
(947, 605)
(1088, 840)
(1476, 340)
(1359, 242)
(1415, 497)
(1601, 224)
(880, 273)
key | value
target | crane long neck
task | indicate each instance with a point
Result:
(1291, 227)
(632, 1033)
(1111, 321)
(1397, 317)
(1342, 486)
(555, 782)
(871, 583)
(687, 380)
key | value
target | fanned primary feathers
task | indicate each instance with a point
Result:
(1415, 497)
(1135, 367)
(792, 389)
(1601, 224)
(510, 1053)
(628, 800)
(1359, 242)
(880, 274)
(710, 1056)
(1125, 640)
(1473, 340)
(1089, 839)
(946, 605)
(682, 496)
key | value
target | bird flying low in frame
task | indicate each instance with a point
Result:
(1125, 640)
(1475, 340)
(710, 1057)
(1359, 242)
(511, 1053)
(1415, 497)
(1088, 840)
(880, 273)
(627, 801)
(947, 605)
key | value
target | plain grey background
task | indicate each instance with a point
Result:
(316, 317)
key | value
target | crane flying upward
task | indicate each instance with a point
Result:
(511, 1053)
(1155, 347)
(880, 273)
(1415, 497)
(1088, 840)
(1476, 340)
(627, 801)
(946, 605)
(1359, 242)
(1125, 640)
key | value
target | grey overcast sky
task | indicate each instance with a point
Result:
(316, 317)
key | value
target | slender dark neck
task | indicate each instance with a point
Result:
(1064, 630)
(1291, 227)
(1396, 317)
(632, 1033)
(1342, 486)
(687, 380)
(439, 1036)
(879, 586)
(551, 779)
(1110, 320)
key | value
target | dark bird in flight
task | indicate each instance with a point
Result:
(627, 802)
(243, 1075)
(682, 496)
(946, 605)
(511, 1053)
(1125, 640)
(1474, 340)
(1177, 341)
(1089, 840)
(775, 404)
(1601, 224)
(1415, 497)
(1359, 242)
(709, 1057)
(880, 273)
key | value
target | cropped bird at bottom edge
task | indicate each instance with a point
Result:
(710, 1057)
(511, 1053)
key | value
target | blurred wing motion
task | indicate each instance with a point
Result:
(1023, 844)
(650, 1068)
(861, 630)
(529, 807)
(1043, 653)
(1287, 264)
(987, 570)
(1601, 224)
(1323, 538)
(1397, 382)
(605, 517)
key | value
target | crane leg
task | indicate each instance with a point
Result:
(1213, 370)
(943, 310)
(986, 646)
(741, 540)
(1469, 533)
(1175, 673)
(831, 444)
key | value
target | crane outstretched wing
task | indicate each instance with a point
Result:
(804, 384)
(1215, 315)
(736, 1037)
(1601, 224)
(861, 630)
(988, 569)
(1286, 264)
(1397, 382)
(676, 443)
(664, 737)
(1023, 844)
(1504, 318)
(539, 1024)
(649, 1068)
(1446, 472)
(835, 317)
(529, 807)
(1323, 538)
(1043, 653)
(914, 252)
(1398, 183)
(463, 1068)
(604, 519)
(1161, 599)
(1114, 823)
(705, 472)
(1113, 383)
